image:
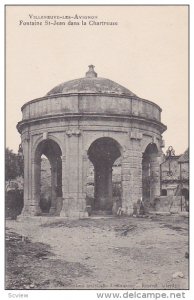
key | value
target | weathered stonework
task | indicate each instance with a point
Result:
(175, 176)
(90, 120)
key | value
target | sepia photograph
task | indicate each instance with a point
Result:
(97, 148)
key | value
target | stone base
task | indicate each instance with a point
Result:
(39, 219)
(45, 218)
(31, 210)
(170, 204)
(127, 211)
(52, 211)
(160, 213)
(73, 205)
(25, 218)
(74, 214)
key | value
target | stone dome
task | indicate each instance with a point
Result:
(90, 84)
(90, 96)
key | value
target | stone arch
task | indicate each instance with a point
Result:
(53, 153)
(103, 152)
(39, 139)
(147, 140)
(117, 138)
(150, 174)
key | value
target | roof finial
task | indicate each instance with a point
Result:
(91, 73)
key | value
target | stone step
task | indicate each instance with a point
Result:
(102, 212)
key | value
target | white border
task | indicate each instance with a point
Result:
(73, 294)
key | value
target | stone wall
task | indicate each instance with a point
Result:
(178, 179)
(171, 204)
(98, 104)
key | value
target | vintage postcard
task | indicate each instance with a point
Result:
(97, 150)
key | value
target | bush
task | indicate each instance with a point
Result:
(14, 203)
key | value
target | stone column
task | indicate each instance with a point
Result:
(146, 179)
(155, 177)
(64, 209)
(127, 189)
(85, 173)
(131, 177)
(96, 204)
(85, 170)
(137, 175)
(31, 181)
(64, 175)
(35, 196)
(97, 188)
(74, 199)
(53, 186)
(110, 192)
(26, 208)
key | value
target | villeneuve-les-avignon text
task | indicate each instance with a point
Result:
(64, 20)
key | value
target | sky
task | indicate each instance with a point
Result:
(147, 52)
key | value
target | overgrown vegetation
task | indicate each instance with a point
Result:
(13, 203)
(14, 164)
(14, 167)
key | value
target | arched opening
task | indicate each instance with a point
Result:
(103, 153)
(150, 173)
(163, 192)
(185, 193)
(48, 175)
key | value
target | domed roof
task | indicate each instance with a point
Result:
(90, 84)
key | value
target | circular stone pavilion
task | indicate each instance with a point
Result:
(91, 120)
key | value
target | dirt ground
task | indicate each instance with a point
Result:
(98, 253)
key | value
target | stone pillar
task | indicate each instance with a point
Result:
(53, 186)
(131, 175)
(64, 175)
(146, 179)
(155, 177)
(35, 200)
(137, 175)
(126, 187)
(26, 208)
(85, 170)
(85, 173)
(110, 192)
(96, 204)
(31, 181)
(64, 208)
(73, 195)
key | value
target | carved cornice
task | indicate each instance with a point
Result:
(135, 135)
(120, 117)
(73, 132)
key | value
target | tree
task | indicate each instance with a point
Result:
(13, 164)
